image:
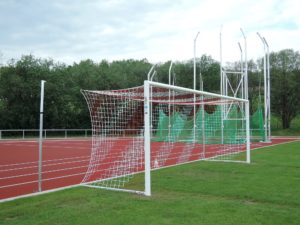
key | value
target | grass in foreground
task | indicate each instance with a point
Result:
(265, 192)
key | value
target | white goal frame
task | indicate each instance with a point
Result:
(147, 99)
(147, 126)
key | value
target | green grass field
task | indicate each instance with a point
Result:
(265, 192)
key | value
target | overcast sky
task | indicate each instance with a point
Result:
(159, 30)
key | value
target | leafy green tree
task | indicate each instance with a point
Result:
(128, 73)
(65, 106)
(255, 85)
(184, 74)
(210, 70)
(285, 85)
(19, 91)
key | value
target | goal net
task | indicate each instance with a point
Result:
(137, 130)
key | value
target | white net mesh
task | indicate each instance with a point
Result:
(184, 127)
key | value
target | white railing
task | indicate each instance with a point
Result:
(47, 133)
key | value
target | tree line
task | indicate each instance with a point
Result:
(65, 106)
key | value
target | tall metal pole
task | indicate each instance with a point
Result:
(170, 70)
(248, 159)
(202, 113)
(194, 84)
(150, 72)
(222, 85)
(245, 95)
(41, 136)
(269, 90)
(200, 78)
(242, 72)
(265, 90)
(169, 105)
(246, 66)
(195, 41)
(221, 64)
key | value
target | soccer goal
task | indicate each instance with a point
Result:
(138, 130)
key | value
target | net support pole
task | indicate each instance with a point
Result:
(265, 89)
(194, 87)
(268, 91)
(147, 138)
(247, 118)
(194, 79)
(169, 106)
(41, 136)
(222, 86)
(150, 72)
(245, 67)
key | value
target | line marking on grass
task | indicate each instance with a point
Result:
(275, 144)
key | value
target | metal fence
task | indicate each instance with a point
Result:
(47, 133)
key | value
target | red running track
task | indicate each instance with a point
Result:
(65, 163)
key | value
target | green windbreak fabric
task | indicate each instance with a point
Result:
(257, 124)
(180, 127)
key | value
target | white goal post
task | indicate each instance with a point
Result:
(141, 129)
